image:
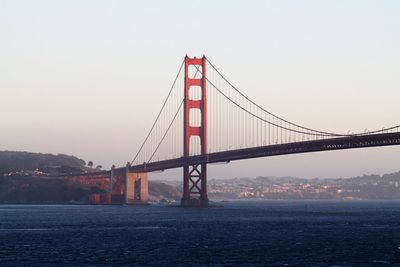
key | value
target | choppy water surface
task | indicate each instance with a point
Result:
(240, 233)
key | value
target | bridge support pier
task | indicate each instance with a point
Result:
(195, 184)
(136, 187)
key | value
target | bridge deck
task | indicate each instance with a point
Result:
(373, 140)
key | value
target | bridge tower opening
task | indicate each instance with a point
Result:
(195, 175)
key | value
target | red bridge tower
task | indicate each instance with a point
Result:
(195, 176)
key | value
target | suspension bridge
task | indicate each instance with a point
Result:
(205, 119)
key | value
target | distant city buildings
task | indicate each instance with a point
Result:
(88, 181)
(26, 173)
(365, 187)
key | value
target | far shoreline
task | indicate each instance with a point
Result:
(219, 201)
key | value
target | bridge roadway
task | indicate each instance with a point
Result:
(373, 140)
(338, 143)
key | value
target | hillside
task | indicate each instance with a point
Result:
(27, 178)
(159, 190)
(15, 161)
(40, 190)
(25, 189)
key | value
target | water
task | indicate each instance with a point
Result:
(270, 233)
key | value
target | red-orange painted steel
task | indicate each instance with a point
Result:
(95, 199)
(195, 179)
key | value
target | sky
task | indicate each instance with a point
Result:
(87, 78)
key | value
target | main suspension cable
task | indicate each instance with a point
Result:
(166, 132)
(159, 114)
(322, 133)
(270, 113)
(258, 117)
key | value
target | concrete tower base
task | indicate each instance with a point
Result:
(136, 185)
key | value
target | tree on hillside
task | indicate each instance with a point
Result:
(90, 164)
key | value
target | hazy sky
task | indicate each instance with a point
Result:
(88, 77)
